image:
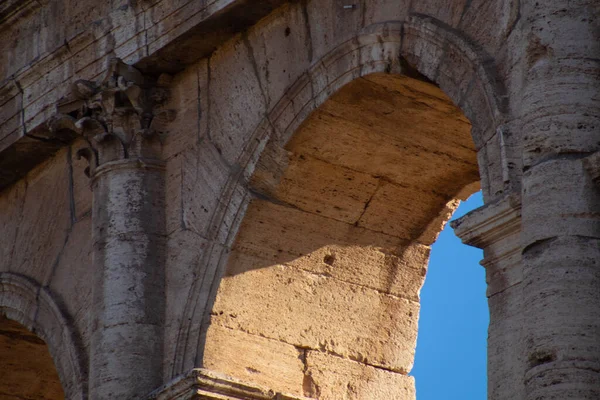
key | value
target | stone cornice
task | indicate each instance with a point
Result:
(495, 228)
(490, 223)
(204, 384)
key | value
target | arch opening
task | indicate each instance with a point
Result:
(321, 291)
(451, 357)
(26, 366)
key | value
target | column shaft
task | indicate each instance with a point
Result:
(129, 248)
(560, 239)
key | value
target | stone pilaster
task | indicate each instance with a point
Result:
(496, 229)
(121, 120)
(560, 202)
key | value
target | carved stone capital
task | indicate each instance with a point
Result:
(121, 117)
(204, 384)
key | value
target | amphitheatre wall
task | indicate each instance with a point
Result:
(261, 182)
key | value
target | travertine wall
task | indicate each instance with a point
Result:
(310, 164)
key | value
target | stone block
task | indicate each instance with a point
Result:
(280, 48)
(479, 110)
(489, 22)
(11, 106)
(237, 101)
(183, 269)
(71, 280)
(419, 48)
(174, 187)
(325, 189)
(332, 24)
(561, 200)
(188, 207)
(187, 98)
(449, 12)
(27, 367)
(381, 11)
(560, 282)
(318, 312)
(10, 220)
(293, 109)
(279, 234)
(251, 358)
(506, 344)
(42, 230)
(410, 219)
(334, 378)
(381, 117)
(398, 271)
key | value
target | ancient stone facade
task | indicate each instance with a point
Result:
(236, 199)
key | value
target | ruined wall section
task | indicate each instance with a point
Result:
(259, 85)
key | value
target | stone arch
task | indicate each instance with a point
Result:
(422, 44)
(33, 306)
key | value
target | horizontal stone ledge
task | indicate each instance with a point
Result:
(491, 223)
(205, 384)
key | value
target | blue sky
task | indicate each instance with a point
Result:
(450, 360)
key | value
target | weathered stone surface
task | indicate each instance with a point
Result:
(71, 278)
(184, 253)
(378, 117)
(331, 377)
(42, 230)
(242, 113)
(332, 191)
(202, 383)
(256, 359)
(318, 312)
(549, 184)
(559, 115)
(304, 233)
(506, 361)
(9, 220)
(287, 31)
(398, 271)
(407, 221)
